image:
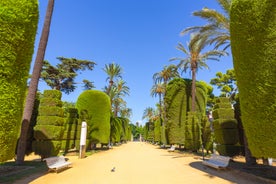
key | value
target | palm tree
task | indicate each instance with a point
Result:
(125, 112)
(116, 93)
(113, 71)
(149, 114)
(158, 90)
(195, 59)
(218, 27)
(34, 83)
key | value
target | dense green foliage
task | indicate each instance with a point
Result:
(253, 42)
(94, 108)
(18, 20)
(49, 129)
(149, 132)
(181, 129)
(176, 100)
(157, 131)
(72, 131)
(225, 128)
(120, 130)
(62, 77)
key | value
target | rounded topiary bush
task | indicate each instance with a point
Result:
(94, 108)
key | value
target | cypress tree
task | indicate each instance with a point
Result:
(253, 43)
(18, 20)
(96, 104)
(49, 129)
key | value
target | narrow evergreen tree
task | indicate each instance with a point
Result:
(18, 20)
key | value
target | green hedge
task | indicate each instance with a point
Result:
(51, 102)
(50, 111)
(225, 127)
(72, 131)
(48, 132)
(50, 120)
(97, 106)
(157, 131)
(225, 123)
(178, 103)
(50, 125)
(46, 148)
(18, 25)
(227, 136)
(253, 43)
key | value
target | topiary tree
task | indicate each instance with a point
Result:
(18, 20)
(49, 129)
(96, 104)
(178, 99)
(176, 103)
(157, 131)
(253, 44)
(225, 128)
(72, 131)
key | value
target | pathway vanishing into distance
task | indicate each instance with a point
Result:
(139, 163)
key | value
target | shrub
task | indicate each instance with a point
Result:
(253, 43)
(94, 107)
(18, 20)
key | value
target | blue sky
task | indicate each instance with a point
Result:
(139, 35)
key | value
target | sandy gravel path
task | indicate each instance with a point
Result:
(140, 163)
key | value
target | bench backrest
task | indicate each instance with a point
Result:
(223, 159)
(53, 160)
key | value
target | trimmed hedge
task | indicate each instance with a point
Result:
(94, 107)
(50, 126)
(225, 127)
(178, 103)
(253, 43)
(157, 131)
(18, 20)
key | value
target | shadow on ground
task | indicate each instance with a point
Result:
(231, 174)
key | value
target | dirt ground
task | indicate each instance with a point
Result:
(141, 163)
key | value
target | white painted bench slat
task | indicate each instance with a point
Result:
(171, 149)
(217, 161)
(57, 163)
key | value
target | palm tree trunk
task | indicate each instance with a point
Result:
(33, 84)
(193, 89)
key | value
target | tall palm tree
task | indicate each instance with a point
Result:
(34, 83)
(117, 91)
(158, 90)
(126, 112)
(195, 59)
(218, 27)
(149, 114)
(113, 71)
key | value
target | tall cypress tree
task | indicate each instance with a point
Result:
(253, 42)
(18, 20)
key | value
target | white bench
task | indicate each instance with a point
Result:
(57, 163)
(171, 149)
(217, 161)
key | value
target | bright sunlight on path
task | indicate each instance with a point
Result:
(140, 163)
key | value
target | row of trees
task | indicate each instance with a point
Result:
(217, 33)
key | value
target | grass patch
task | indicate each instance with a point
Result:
(10, 172)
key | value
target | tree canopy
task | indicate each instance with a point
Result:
(62, 77)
